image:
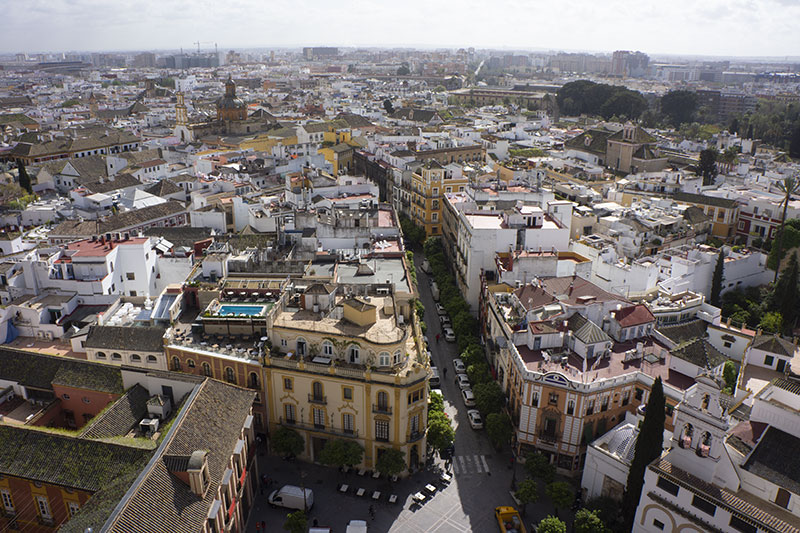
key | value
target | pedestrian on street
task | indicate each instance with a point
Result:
(438, 335)
(372, 512)
(264, 525)
(258, 526)
(444, 372)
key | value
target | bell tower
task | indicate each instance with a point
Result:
(181, 115)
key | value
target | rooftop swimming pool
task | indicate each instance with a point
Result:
(234, 310)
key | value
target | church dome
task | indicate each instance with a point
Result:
(230, 102)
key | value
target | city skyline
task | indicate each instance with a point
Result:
(680, 28)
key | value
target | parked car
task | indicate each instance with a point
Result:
(434, 379)
(444, 320)
(449, 334)
(435, 291)
(469, 398)
(463, 381)
(459, 365)
(440, 309)
(426, 267)
(475, 420)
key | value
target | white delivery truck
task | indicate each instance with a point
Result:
(357, 526)
(291, 497)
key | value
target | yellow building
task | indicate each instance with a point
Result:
(428, 185)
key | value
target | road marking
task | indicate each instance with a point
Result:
(485, 466)
(455, 467)
(477, 464)
(463, 464)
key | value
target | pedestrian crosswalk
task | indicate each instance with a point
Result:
(470, 464)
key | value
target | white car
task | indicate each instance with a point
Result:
(460, 367)
(440, 309)
(475, 420)
(469, 398)
(444, 320)
(463, 381)
(449, 334)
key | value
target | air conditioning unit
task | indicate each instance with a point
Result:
(148, 426)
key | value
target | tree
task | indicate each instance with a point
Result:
(649, 445)
(707, 167)
(391, 462)
(403, 70)
(734, 126)
(716, 280)
(296, 522)
(749, 134)
(387, 105)
(436, 402)
(789, 186)
(679, 106)
(771, 322)
(440, 432)
(551, 524)
(478, 372)
(527, 492)
(560, 494)
(786, 294)
(498, 428)
(607, 509)
(340, 452)
(794, 143)
(24, 179)
(588, 521)
(729, 374)
(488, 397)
(539, 467)
(287, 441)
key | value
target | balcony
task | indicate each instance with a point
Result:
(549, 436)
(379, 409)
(321, 400)
(415, 436)
(319, 428)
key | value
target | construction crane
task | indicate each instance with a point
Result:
(198, 43)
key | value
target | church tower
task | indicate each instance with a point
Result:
(229, 107)
(181, 115)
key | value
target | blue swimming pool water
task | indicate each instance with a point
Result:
(249, 310)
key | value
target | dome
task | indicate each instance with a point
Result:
(623, 442)
(227, 102)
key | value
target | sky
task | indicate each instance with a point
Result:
(661, 27)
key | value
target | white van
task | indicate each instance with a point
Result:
(434, 379)
(291, 497)
(357, 526)
(426, 267)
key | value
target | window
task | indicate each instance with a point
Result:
(176, 363)
(101, 355)
(230, 377)
(135, 358)
(355, 354)
(384, 359)
(73, 508)
(347, 422)
(44, 507)
(553, 398)
(8, 503)
(705, 506)
(727, 344)
(152, 359)
(131, 276)
(604, 404)
(669, 409)
(65, 396)
(571, 407)
(383, 401)
(289, 413)
(206, 369)
(740, 525)
(782, 498)
(590, 408)
(190, 363)
(535, 399)
(86, 399)
(316, 387)
(626, 397)
(414, 396)
(639, 394)
(327, 348)
(116, 357)
(319, 418)
(382, 430)
(287, 383)
(667, 486)
(347, 393)
(769, 360)
(397, 357)
(415, 424)
(252, 381)
(658, 524)
(284, 343)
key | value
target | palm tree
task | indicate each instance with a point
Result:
(789, 186)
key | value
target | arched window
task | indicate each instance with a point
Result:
(704, 446)
(101, 355)
(397, 357)
(152, 359)
(230, 377)
(252, 382)
(116, 357)
(176, 363)
(136, 358)
(317, 391)
(355, 354)
(686, 436)
(384, 359)
(206, 369)
(190, 363)
(327, 348)
(383, 401)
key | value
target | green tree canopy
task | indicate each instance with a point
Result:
(730, 375)
(716, 280)
(678, 107)
(786, 295)
(771, 322)
(488, 397)
(707, 167)
(551, 524)
(538, 466)
(440, 432)
(436, 402)
(340, 452)
(527, 492)
(588, 521)
(286, 441)
(560, 494)
(587, 97)
(499, 429)
(24, 179)
(391, 462)
(649, 445)
(296, 522)
(387, 105)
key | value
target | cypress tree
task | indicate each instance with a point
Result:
(784, 299)
(24, 179)
(649, 445)
(716, 280)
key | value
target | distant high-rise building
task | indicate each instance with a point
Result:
(144, 60)
(629, 64)
(320, 52)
